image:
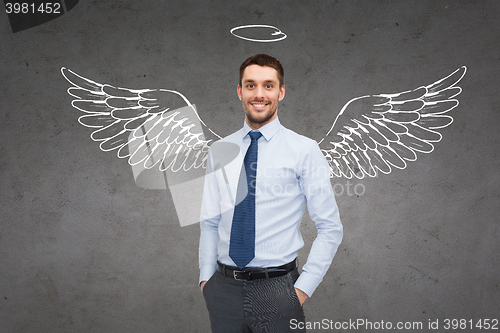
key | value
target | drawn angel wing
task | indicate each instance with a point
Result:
(139, 126)
(376, 133)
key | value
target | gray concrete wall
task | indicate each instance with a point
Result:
(83, 249)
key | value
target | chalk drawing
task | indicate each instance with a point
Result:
(138, 124)
(371, 134)
(259, 30)
(376, 133)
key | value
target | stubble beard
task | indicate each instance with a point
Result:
(261, 120)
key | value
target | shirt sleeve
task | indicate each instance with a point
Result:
(317, 188)
(209, 223)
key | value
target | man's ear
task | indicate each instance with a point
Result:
(281, 95)
(239, 92)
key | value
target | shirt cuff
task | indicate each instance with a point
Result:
(307, 283)
(206, 272)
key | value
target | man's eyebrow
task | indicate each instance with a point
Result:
(265, 81)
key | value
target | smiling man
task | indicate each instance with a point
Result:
(248, 252)
(260, 90)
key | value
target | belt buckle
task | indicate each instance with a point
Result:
(236, 278)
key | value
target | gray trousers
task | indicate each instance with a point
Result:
(257, 306)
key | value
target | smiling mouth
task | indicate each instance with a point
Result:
(259, 105)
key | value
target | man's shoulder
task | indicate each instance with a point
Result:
(297, 138)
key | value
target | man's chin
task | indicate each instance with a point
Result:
(264, 119)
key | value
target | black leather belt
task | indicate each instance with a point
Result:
(249, 274)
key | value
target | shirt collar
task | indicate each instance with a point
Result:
(268, 130)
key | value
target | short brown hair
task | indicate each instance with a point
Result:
(263, 60)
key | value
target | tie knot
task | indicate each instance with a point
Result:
(255, 135)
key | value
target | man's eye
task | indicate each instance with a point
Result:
(269, 86)
(250, 86)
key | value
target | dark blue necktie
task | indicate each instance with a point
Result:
(242, 243)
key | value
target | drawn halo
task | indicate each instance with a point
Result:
(274, 33)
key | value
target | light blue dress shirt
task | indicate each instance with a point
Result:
(291, 171)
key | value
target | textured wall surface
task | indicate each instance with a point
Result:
(83, 249)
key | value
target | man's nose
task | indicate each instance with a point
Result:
(259, 92)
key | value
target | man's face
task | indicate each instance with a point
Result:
(260, 94)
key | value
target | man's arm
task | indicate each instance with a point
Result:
(322, 207)
(209, 224)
